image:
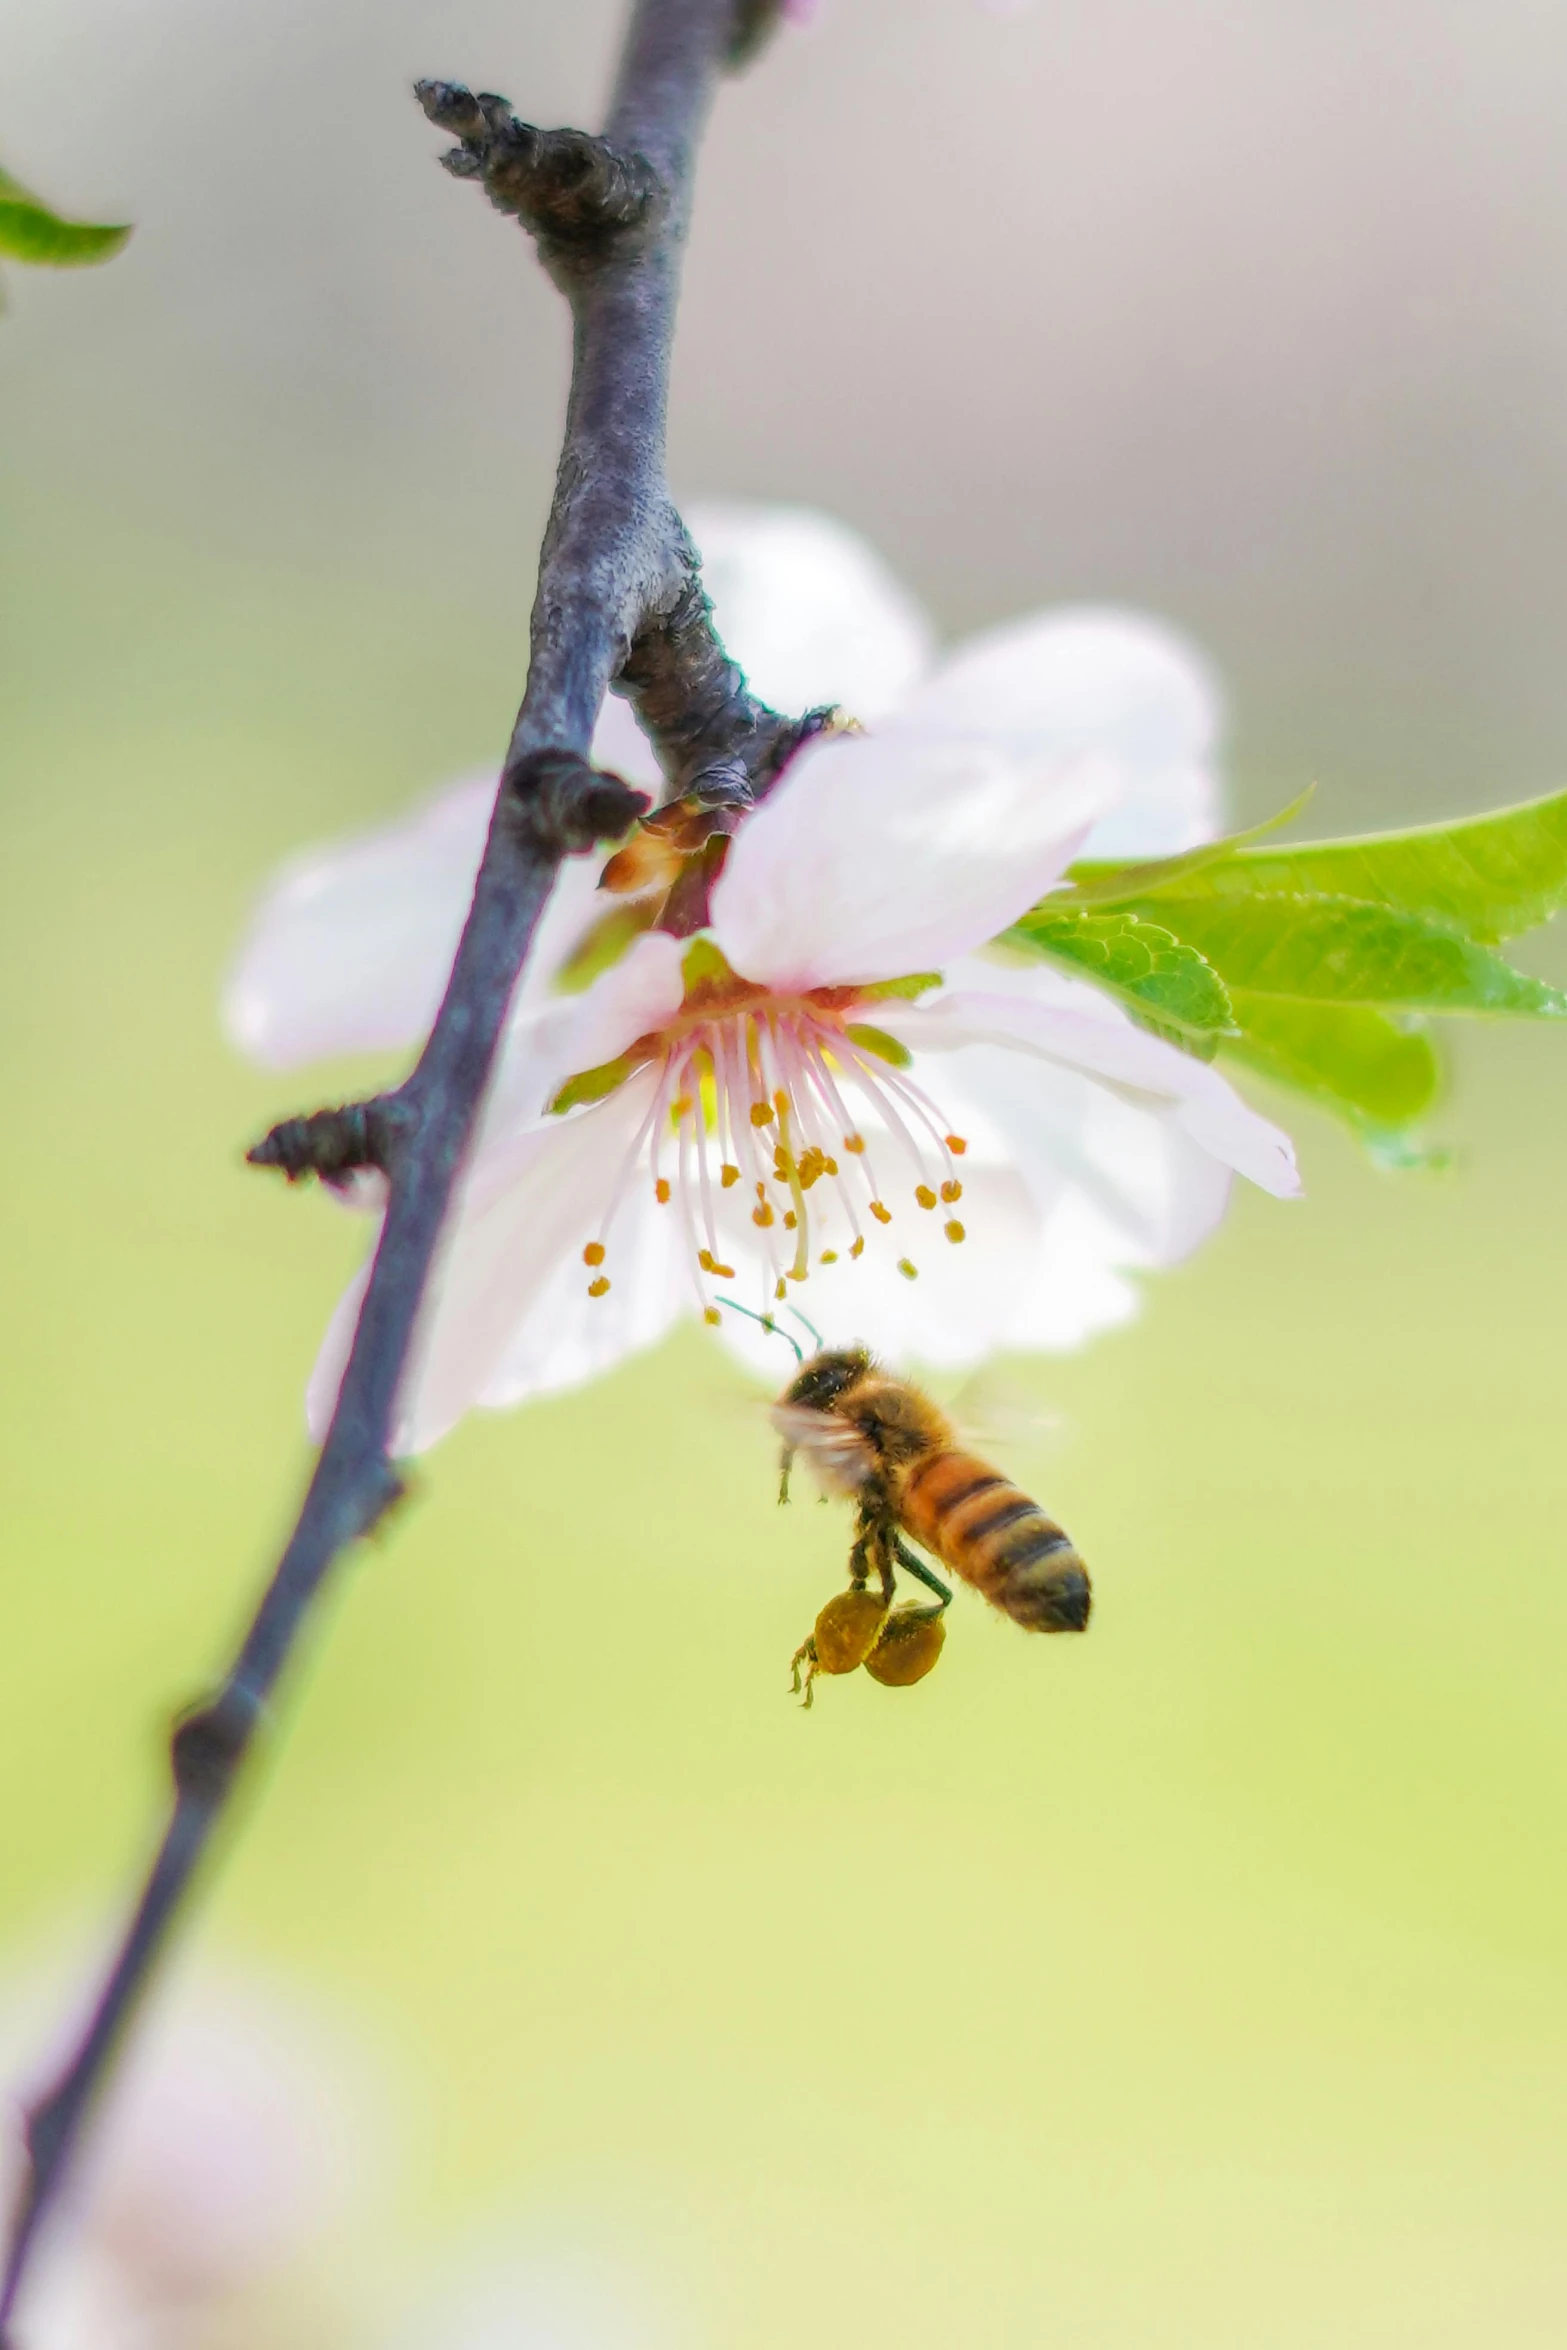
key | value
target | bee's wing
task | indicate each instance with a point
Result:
(993, 1413)
(838, 1455)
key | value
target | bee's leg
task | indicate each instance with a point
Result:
(859, 1560)
(882, 1540)
(916, 1567)
(805, 1654)
(784, 1466)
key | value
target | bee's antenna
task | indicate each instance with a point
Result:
(810, 1326)
(767, 1323)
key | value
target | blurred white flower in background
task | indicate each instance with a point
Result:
(754, 1110)
(555, 2287)
(231, 2137)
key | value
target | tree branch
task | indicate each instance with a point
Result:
(618, 599)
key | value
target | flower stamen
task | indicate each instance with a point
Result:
(730, 1073)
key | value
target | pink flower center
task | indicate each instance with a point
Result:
(760, 1108)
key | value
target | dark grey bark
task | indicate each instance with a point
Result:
(619, 602)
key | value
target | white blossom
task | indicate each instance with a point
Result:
(774, 1110)
(232, 2136)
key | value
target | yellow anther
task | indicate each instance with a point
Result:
(761, 1113)
(762, 1215)
(829, 1256)
(792, 1275)
(791, 1220)
(951, 1191)
(780, 1101)
(832, 1166)
(593, 1254)
(883, 1215)
(909, 1272)
(728, 1175)
(712, 1314)
(679, 1106)
(953, 1230)
(661, 1191)
(957, 1145)
(854, 1142)
(599, 1288)
(924, 1194)
(781, 1290)
(710, 1264)
(858, 1249)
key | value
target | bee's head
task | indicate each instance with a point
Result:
(828, 1376)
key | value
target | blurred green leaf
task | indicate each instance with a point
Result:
(1491, 877)
(1342, 951)
(1156, 974)
(1347, 1057)
(29, 231)
(1113, 882)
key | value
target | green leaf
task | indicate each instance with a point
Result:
(29, 231)
(1341, 951)
(1160, 977)
(1492, 877)
(1347, 1057)
(1104, 882)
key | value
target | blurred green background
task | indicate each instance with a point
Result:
(1197, 1984)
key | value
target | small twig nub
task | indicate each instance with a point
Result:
(577, 193)
(330, 1143)
(567, 805)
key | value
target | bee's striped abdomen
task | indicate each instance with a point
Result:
(992, 1535)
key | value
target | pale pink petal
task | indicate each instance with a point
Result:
(1111, 685)
(620, 745)
(526, 1207)
(1072, 1289)
(957, 1309)
(567, 1338)
(1155, 1191)
(555, 1037)
(1118, 1054)
(351, 947)
(879, 855)
(810, 612)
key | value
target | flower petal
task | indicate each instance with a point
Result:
(810, 612)
(1073, 1288)
(350, 948)
(878, 855)
(567, 1338)
(957, 1309)
(524, 1210)
(1154, 1192)
(556, 1037)
(1111, 684)
(1078, 1034)
(620, 745)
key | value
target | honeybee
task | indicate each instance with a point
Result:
(886, 1446)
